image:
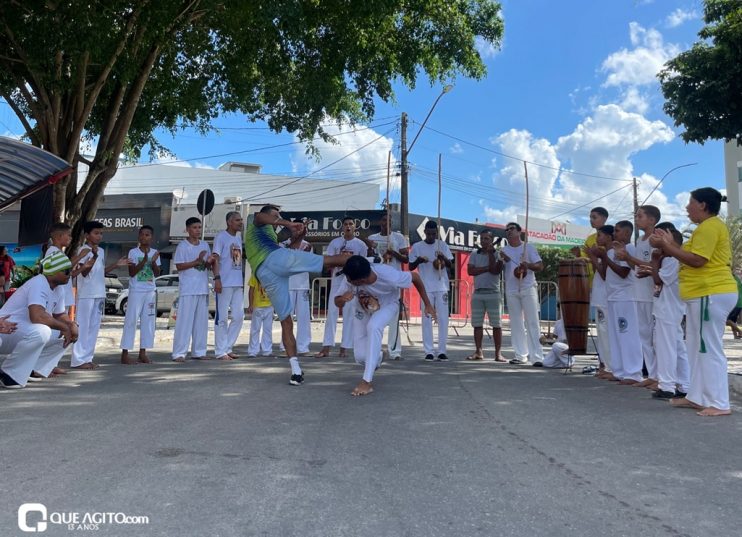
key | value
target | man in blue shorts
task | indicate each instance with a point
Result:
(272, 266)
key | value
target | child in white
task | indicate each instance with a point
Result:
(557, 356)
(261, 311)
(228, 286)
(192, 259)
(599, 299)
(299, 291)
(432, 259)
(141, 304)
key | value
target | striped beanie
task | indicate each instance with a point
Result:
(57, 262)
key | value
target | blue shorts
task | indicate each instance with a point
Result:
(273, 274)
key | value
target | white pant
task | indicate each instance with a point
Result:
(142, 307)
(262, 319)
(226, 332)
(32, 347)
(645, 321)
(368, 331)
(672, 357)
(394, 340)
(623, 334)
(556, 357)
(88, 316)
(191, 326)
(300, 307)
(709, 381)
(603, 342)
(439, 300)
(525, 329)
(333, 313)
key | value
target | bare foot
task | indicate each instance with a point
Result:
(225, 357)
(341, 354)
(125, 358)
(363, 388)
(143, 358)
(232, 355)
(711, 411)
(500, 358)
(643, 384)
(86, 366)
(179, 359)
(58, 371)
(610, 377)
(201, 358)
(627, 382)
(654, 386)
(324, 353)
(685, 403)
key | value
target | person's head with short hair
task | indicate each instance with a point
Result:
(598, 217)
(146, 233)
(234, 222)
(193, 227)
(704, 203)
(349, 227)
(93, 231)
(383, 224)
(485, 239)
(605, 235)
(647, 217)
(60, 234)
(667, 226)
(357, 270)
(430, 231)
(677, 236)
(512, 233)
(269, 208)
(622, 231)
(3, 250)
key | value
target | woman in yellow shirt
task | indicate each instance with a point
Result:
(710, 293)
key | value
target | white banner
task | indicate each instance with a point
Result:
(552, 233)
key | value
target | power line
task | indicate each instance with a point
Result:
(590, 202)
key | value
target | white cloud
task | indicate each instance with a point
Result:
(640, 65)
(680, 16)
(456, 149)
(486, 49)
(634, 101)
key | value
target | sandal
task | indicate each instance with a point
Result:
(475, 356)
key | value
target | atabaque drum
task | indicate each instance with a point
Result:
(574, 296)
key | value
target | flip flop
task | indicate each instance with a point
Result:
(474, 357)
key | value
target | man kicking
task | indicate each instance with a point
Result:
(273, 265)
(377, 289)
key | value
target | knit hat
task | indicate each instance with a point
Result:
(57, 262)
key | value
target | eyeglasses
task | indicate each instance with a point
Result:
(67, 272)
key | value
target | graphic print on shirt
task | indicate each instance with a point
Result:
(146, 274)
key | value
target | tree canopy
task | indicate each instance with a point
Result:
(703, 85)
(115, 72)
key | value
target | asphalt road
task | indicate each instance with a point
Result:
(439, 449)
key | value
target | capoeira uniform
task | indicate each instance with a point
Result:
(32, 347)
(673, 372)
(192, 323)
(261, 321)
(229, 249)
(557, 357)
(299, 293)
(396, 242)
(91, 301)
(623, 332)
(521, 296)
(643, 295)
(339, 245)
(599, 301)
(368, 326)
(141, 304)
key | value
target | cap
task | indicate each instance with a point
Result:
(57, 262)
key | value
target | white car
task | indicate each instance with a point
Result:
(166, 288)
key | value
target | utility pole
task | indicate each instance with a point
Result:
(403, 206)
(636, 208)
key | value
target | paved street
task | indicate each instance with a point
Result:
(449, 449)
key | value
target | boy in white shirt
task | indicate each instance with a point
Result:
(377, 290)
(261, 320)
(299, 291)
(432, 258)
(192, 259)
(599, 299)
(141, 304)
(91, 295)
(228, 286)
(558, 356)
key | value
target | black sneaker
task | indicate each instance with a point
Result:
(429, 357)
(442, 356)
(297, 380)
(7, 382)
(538, 364)
(662, 394)
(518, 361)
(679, 394)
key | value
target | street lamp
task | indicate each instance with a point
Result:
(404, 208)
(663, 178)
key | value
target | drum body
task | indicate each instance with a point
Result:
(574, 296)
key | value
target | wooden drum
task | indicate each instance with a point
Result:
(574, 296)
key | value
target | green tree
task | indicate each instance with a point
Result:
(703, 85)
(115, 72)
(551, 256)
(734, 224)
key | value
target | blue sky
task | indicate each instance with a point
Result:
(573, 87)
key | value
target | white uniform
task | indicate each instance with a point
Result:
(32, 347)
(232, 298)
(557, 356)
(91, 301)
(436, 286)
(623, 332)
(141, 304)
(396, 242)
(193, 302)
(368, 327)
(521, 296)
(336, 246)
(599, 301)
(643, 294)
(300, 304)
(673, 371)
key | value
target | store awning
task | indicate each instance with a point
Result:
(26, 169)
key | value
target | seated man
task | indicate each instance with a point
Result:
(42, 328)
(377, 290)
(558, 356)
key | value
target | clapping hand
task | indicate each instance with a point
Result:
(7, 327)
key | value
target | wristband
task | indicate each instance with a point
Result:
(216, 278)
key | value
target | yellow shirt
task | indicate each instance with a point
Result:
(710, 240)
(590, 241)
(259, 298)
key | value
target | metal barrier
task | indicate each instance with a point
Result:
(319, 298)
(548, 298)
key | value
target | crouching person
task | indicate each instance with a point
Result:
(376, 288)
(42, 328)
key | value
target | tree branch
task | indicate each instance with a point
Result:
(22, 117)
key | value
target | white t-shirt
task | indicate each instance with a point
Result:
(35, 291)
(668, 305)
(515, 253)
(94, 284)
(192, 281)
(559, 332)
(144, 280)
(298, 282)
(229, 249)
(433, 279)
(643, 287)
(396, 241)
(386, 287)
(337, 245)
(598, 297)
(616, 287)
(69, 296)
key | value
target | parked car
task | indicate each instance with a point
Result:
(114, 290)
(166, 289)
